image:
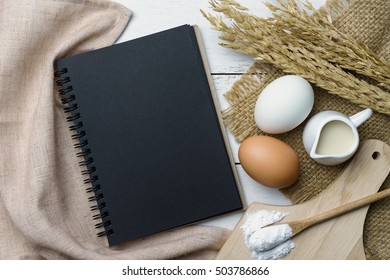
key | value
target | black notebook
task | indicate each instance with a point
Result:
(150, 136)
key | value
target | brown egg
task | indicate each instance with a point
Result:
(269, 161)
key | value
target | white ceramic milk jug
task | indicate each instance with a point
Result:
(331, 137)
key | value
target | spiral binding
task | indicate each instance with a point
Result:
(69, 100)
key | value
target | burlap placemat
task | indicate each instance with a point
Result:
(368, 22)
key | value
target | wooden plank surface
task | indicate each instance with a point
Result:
(151, 16)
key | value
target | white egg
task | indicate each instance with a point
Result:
(284, 104)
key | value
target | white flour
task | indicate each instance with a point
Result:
(265, 241)
(278, 252)
(269, 237)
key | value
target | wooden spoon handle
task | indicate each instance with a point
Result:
(298, 226)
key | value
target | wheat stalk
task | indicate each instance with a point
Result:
(261, 39)
(318, 34)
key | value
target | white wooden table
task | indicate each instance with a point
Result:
(150, 16)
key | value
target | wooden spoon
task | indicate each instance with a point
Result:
(301, 225)
(268, 241)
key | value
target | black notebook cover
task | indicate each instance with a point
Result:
(149, 134)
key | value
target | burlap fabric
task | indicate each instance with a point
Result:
(369, 22)
(44, 209)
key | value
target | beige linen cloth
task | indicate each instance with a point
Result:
(44, 213)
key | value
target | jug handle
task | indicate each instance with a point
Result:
(361, 117)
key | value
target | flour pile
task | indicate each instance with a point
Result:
(267, 241)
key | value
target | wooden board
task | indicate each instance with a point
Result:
(339, 238)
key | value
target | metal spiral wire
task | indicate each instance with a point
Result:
(68, 98)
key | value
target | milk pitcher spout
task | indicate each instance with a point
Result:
(331, 137)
